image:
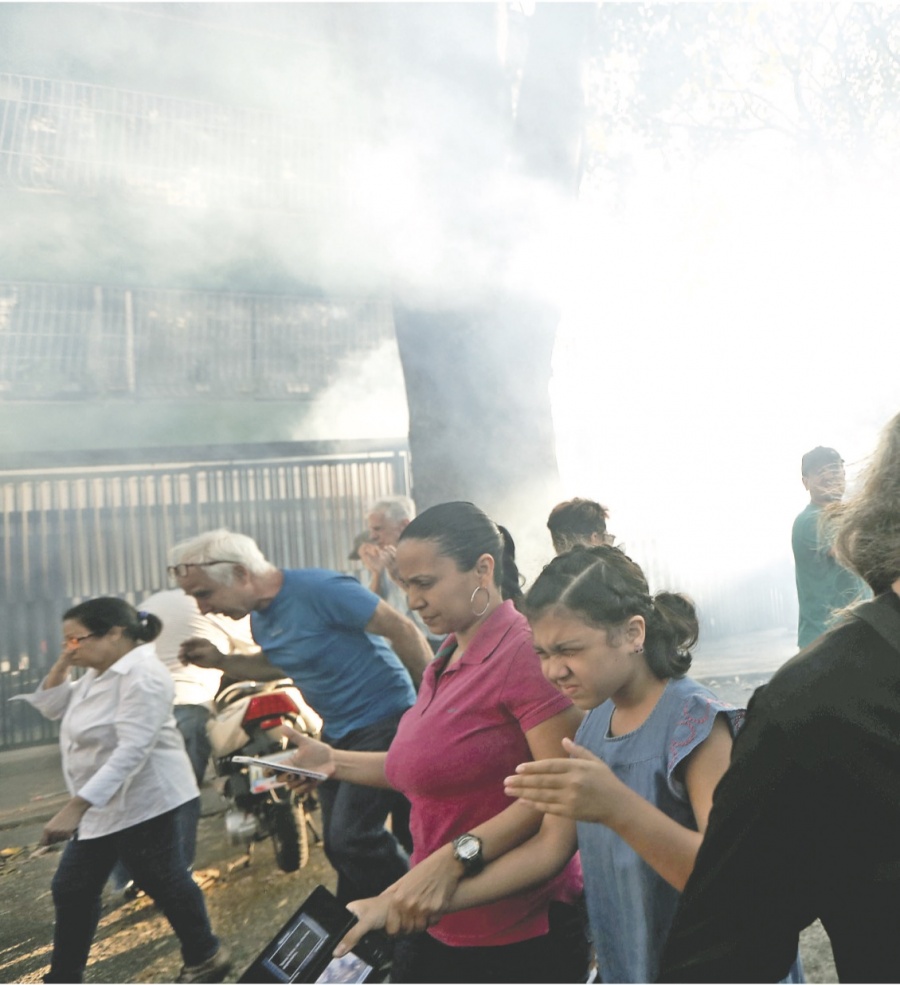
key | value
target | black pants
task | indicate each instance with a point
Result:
(365, 855)
(153, 854)
(562, 955)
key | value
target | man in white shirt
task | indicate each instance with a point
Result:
(195, 687)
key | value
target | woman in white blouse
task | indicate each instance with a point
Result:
(127, 772)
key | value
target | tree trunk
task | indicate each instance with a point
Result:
(478, 371)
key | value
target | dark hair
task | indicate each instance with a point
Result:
(103, 614)
(868, 524)
(604, 587)
(574, 521)
(463, 532)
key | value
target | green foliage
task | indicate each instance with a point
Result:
(685, 79)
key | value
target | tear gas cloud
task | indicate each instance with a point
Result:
(717, 322)
(743, 317)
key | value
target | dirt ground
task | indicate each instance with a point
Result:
(247, 904)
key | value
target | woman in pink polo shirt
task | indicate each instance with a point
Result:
(483, 706)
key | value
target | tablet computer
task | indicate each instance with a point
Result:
(369, 961)
(301, 951)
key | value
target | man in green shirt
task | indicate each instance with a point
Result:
(823, 585)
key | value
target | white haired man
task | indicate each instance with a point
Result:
(387, 519)
(331, 635)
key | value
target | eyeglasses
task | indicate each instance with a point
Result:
(73, 642)
(181, 570)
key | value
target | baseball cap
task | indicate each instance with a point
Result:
(817, 459)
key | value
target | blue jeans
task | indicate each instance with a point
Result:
(187, 817)
(152, 852)
(191, 721)
(365, 855)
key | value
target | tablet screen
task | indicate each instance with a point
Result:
(295, 947)
(347, 968)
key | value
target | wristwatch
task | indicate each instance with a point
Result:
(467, 848)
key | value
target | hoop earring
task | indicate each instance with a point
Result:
(487, 601)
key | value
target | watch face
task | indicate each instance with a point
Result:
(468, 848)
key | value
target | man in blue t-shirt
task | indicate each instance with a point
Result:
(331, 635)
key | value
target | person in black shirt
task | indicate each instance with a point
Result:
(806, 821)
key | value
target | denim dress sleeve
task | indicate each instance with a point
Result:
(693, 724)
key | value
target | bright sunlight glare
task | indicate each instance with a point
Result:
(725, 321)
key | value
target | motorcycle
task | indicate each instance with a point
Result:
(245, 715)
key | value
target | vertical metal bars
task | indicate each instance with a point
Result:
(71, 534)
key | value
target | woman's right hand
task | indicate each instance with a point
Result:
(382, 913)
(60, 670)
(419, 899)
(311, 754)
(65, 658)
(371, 914)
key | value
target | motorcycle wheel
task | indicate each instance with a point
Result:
(289, 835)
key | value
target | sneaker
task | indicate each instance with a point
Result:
(125, 894)
(214, 969)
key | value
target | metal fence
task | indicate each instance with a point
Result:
(78, 532)
(79, 340)
(57, 135)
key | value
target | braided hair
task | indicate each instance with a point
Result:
(604, 587)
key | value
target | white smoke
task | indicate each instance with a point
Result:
(743, 316)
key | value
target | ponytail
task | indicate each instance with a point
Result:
(150, 626)
(672, 630)
(103, 614)
(463, 533)
(510, 578)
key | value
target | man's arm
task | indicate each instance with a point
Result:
(405, 639)
(242, 667)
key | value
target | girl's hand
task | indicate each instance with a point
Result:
(371, 914)
(311, 754)
(582, 787)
